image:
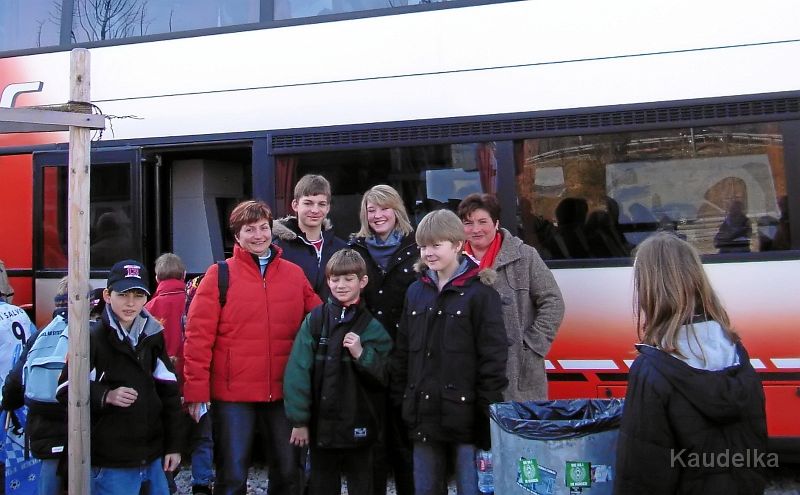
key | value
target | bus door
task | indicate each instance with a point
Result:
(188, 193)
(115, 218)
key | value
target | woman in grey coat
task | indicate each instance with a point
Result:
(532, 304)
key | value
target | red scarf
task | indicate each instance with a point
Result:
(489, 256)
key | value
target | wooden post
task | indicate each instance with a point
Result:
(78, 254)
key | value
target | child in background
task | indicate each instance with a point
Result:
(334, 382)
(450, 360)
(46, 423)
(692, 390)
(169, 305)
(137, 421)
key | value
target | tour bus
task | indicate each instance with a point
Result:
(595, 123)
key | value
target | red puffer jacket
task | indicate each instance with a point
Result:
(239, 354)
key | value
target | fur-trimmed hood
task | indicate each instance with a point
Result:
(487, 276)
(288, 229)
(471, 272)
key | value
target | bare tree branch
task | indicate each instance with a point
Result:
(109, 19)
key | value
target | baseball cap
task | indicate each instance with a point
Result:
(126, 275)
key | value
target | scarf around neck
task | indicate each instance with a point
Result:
(381, 250)
(490, 255)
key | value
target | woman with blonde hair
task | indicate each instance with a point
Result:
(386, 242)
(693, 402)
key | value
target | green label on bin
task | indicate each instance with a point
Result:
(578, 473)
(528, 471)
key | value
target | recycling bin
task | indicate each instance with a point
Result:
(555, 447)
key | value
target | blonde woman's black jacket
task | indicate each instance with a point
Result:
(154, 425)
(683, 428)
(386, 289)
(450, 359)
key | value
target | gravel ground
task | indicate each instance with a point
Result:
(257, 483)
(783, 481)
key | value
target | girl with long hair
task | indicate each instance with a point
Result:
(693, 402)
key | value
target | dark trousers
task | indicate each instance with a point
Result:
(328, 466)
(394, 454)
(234, 425)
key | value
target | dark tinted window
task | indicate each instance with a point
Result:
(427, 178)
(110, 217)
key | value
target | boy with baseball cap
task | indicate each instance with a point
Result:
(137, 424)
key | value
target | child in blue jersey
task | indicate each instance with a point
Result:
(15, 330)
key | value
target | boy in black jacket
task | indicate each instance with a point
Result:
(334, 382)
(137, 421)
(450, 360)
(308, 240)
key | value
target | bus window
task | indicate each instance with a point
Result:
(54, 221)
(127, 18)
(110, 212)
(427, 178)
(292, 9)
(721, 188)
(110, 216)
(29, 24)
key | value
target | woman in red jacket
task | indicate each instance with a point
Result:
(235, 354)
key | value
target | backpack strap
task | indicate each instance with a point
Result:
(319, 344)
(319, 327)
(223, 277)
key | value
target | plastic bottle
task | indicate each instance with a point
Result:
(483, 461)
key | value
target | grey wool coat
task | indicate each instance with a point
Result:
(532, 312)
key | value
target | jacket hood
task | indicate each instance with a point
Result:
(288, 228)
(470, 272)
(170, 286)
(704, 345)
(723, 395)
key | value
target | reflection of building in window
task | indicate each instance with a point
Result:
(678, 179)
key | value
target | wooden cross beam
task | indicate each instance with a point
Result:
(41, 120)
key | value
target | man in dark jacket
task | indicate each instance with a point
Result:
(307, 240)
